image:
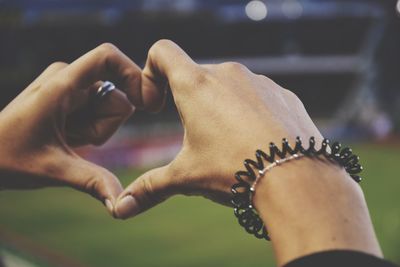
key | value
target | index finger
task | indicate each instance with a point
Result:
(168, 60)
(106, 62)
(166, 64)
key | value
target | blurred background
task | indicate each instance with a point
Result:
(341, 57)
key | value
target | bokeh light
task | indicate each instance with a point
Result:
(398, 7)
(256, 10)
(292, 9)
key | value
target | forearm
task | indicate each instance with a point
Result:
(310, 205)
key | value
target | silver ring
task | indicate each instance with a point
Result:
(105, 89)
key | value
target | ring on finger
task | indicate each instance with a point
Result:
(105, 89)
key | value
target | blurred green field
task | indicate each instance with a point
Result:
(184, 231)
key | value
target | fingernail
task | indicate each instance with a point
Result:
(109, 206)
(127, 207)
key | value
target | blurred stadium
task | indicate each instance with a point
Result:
(341, 57)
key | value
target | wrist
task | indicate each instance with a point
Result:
(295, 176)
(311, 205)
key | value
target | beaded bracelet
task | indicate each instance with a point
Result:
(243, 192)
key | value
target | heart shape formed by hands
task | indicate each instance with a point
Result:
(227, 113)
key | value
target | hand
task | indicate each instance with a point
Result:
(227, 113)
(59, 111)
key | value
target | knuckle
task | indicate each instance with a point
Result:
(185, 177)
(91, 186)
(95, 137)
(131, 76)
(131, 73)
(290, 94)
(150, 196)
(127, 110)
(160, 45)
(98, 138)
(107, 49)
(58, 65)
(233, 67)
(123, 112)
(147, 188)
(265, 78)
(293, 97)
(177, 174)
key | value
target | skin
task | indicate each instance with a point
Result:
(227, 112)
(58, 112)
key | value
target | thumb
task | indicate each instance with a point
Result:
(92, 179)
(150, 189)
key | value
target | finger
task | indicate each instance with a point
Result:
(109, 113)
(166, 64)
(90, 178)
(150, 189)
(106, 62)
(96, 123)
